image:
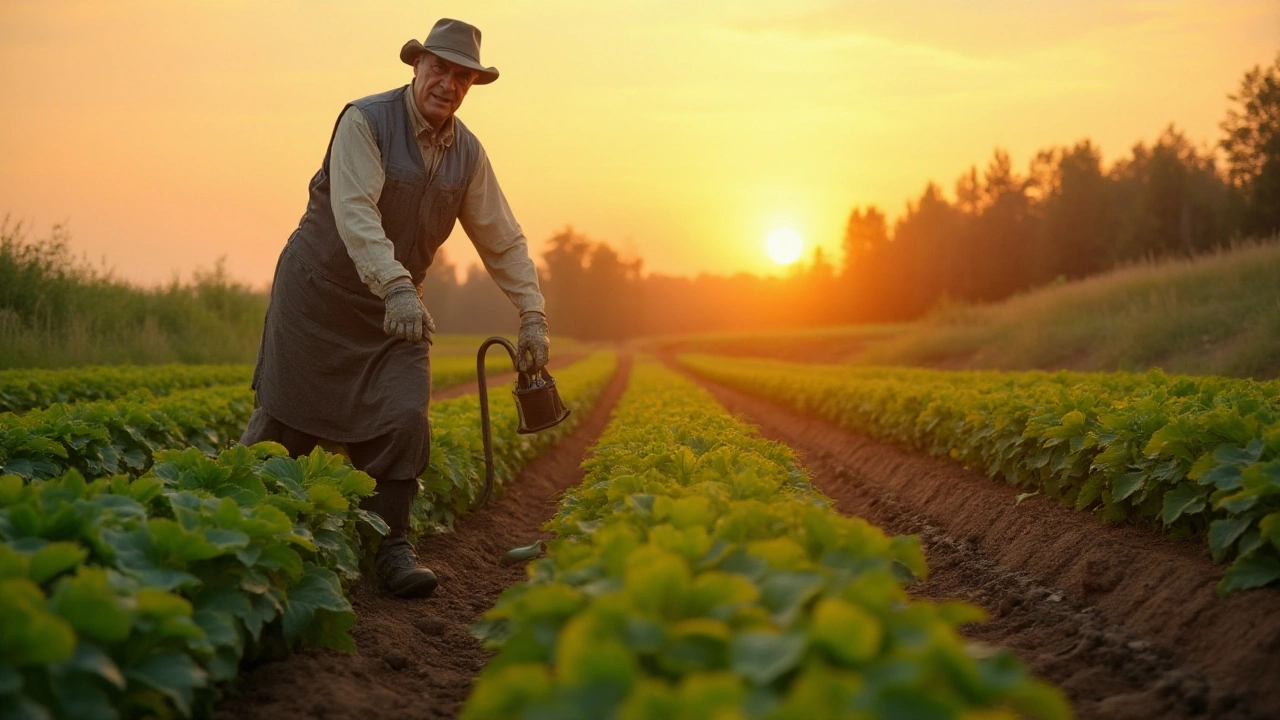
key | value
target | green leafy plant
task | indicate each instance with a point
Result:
(110, 437)
(22, 390)
(454, 478)
(696, 573)
(1195, 455)
(130, 597)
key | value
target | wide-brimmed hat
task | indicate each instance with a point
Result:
(454, 41)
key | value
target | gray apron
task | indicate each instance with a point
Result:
(325, 366)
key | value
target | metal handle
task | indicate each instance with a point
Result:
(484, 411)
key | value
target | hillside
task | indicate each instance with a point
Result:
(1216, 314)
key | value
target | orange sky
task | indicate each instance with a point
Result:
(169, 133)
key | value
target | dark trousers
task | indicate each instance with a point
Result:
(394, 460)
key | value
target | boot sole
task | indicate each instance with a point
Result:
(415, 590)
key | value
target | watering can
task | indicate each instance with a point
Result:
(537, 403)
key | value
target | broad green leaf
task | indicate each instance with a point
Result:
(713, 590)
(695, 645)
(658, 583)
(91, 605)
(1262, 478)
(318, 589)
(89, 658)
(219, 627)
(1223, 477)
(1126, 485)
(11, 489)
(357, 484)
(847, 632)
(1224, 533)
(1090, 491)
(174, 674)
(283, 559)
(81, 697)
(157, 603)
(763, 657)
(1182, 500)
(784, 594)
(13, 564)
(1250, 572)
(287, 473)
(1269, 527)
(587, 655)
(712, 695)
(54, 559)
(327, 498)
(507, 692)
(1235, 455)
(29, 633)
(178, 545)
(781, 553)
(226, 540)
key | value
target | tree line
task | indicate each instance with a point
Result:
(1000, 231)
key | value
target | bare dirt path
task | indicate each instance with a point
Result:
(1124, 620)
(415, 658)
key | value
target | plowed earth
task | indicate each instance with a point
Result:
(1126, 621)
(415, 658)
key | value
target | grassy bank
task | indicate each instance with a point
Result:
(1217, 314)
(59, 311)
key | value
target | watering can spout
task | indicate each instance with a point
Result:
(538, 405)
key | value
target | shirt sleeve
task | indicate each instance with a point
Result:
(355, 184)
(487, 219)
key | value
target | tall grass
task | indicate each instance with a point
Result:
(57, 311)
(1213, 314)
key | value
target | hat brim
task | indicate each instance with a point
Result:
(412, 49)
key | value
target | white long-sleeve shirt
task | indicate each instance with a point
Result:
(356, 178)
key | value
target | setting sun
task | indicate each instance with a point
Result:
(784, 246)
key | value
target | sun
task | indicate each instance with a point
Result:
(784, 245)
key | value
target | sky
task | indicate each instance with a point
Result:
(167, 134)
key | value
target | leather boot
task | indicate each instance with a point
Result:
(396, 565)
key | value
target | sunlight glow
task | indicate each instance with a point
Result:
(784, 245)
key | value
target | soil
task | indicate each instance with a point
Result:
(416, 658)
(1125, 621)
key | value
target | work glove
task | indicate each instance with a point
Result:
(534, 348)
(406, 317)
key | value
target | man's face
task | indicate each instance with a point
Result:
(439, 87)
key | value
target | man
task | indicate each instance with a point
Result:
(344, 355)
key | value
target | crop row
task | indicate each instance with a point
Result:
(1198, 455)
(697, 574)
(455, 476)
(453, 370)
(22, 390)
(108, 437)
(130, 597)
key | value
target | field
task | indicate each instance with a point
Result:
(745, 538)
(1216, 314)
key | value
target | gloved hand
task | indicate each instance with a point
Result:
(406, 317)
(534, 347)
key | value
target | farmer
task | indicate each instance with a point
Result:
(344, 356)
